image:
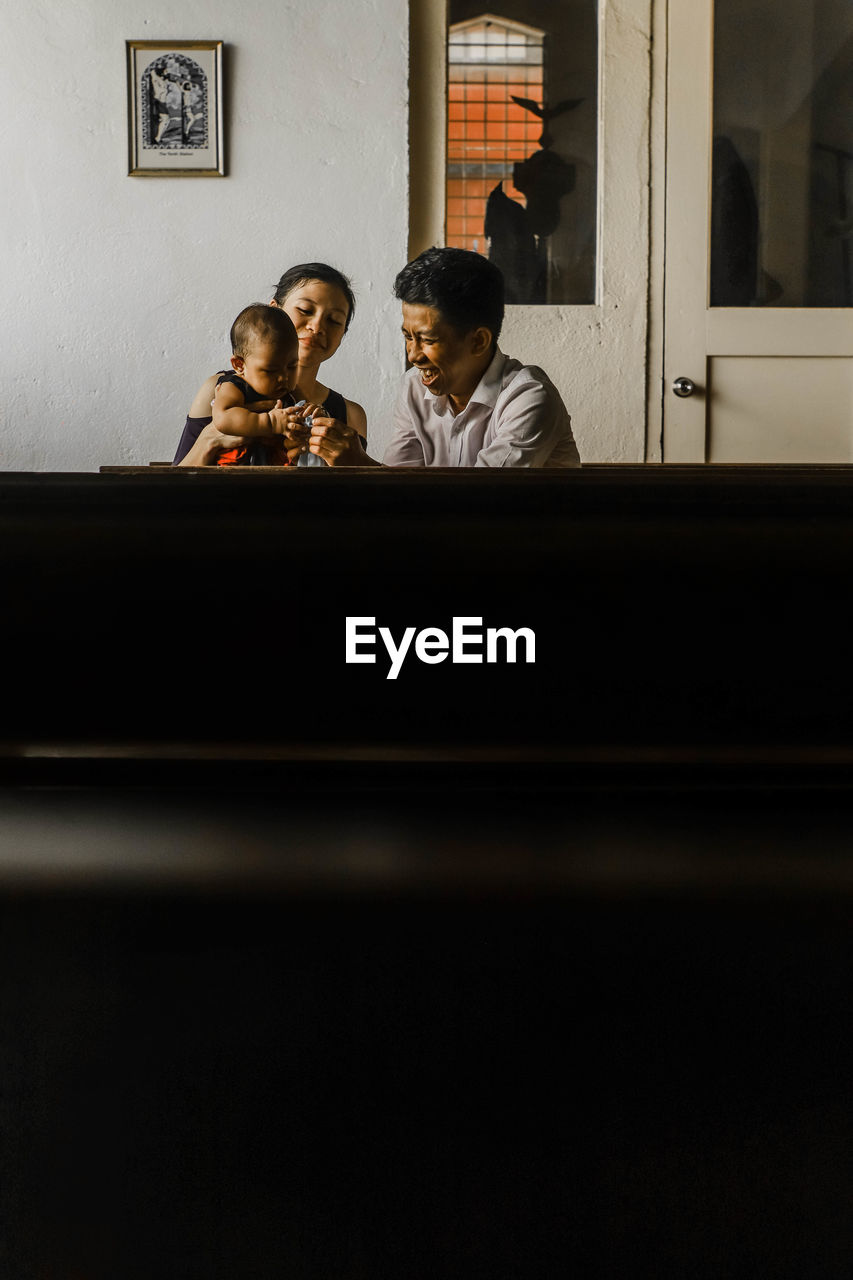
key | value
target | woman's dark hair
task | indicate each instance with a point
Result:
(316, 271)
(463, 286)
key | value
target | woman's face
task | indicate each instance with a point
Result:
(319, 313)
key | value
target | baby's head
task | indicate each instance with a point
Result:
(265, 349)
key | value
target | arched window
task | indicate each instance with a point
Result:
(521, 157)
(491, 63)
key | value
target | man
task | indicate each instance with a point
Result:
(463, 403)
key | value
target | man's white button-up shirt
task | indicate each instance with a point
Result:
(515, 418)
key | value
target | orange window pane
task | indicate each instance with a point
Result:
(486, 127)
(525, 89)
(495, 133)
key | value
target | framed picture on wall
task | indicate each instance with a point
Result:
(174, 95)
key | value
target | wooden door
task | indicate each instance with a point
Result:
(759, 232)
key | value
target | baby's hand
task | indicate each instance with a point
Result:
(288, 424)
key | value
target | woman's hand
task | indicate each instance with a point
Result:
(211, 442)
(337, 444)
(208, 446)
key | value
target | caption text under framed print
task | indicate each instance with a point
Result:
(174, 93)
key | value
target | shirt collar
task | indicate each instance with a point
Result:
(487, 389)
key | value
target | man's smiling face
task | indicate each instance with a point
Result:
(450, 364)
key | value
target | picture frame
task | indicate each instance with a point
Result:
(175, 110)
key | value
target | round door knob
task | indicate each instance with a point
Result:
(683, 387)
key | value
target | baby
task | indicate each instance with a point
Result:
(248, 400)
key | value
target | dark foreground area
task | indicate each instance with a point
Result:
(533, 970)
(597, 1033)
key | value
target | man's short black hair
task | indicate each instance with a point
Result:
(465, 287)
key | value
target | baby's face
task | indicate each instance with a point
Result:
(270, 368)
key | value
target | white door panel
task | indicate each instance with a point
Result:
(759, 223)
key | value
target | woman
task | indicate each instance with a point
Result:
(320, 302)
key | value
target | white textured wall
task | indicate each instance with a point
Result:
(118, 292)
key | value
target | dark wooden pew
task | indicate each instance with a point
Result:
(681, 614)
(534, 970)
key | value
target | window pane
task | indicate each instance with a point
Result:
(782, 200)
(522, 142)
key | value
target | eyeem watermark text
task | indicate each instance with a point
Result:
(467, 642)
